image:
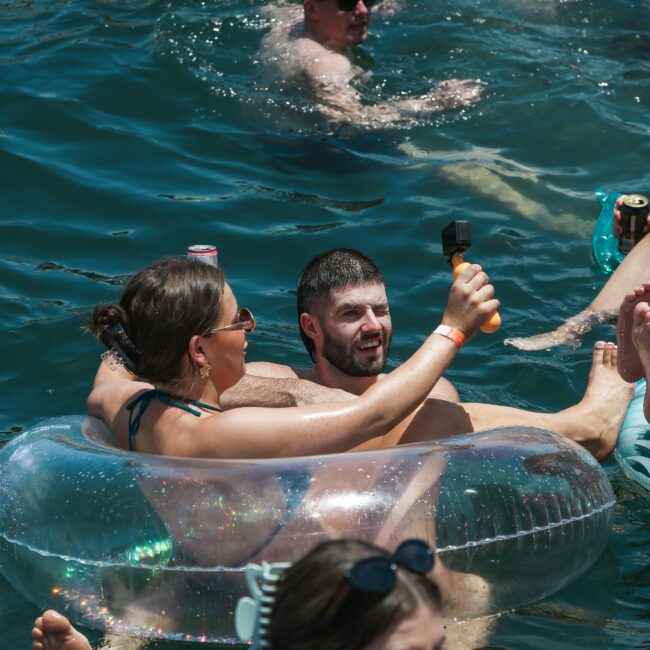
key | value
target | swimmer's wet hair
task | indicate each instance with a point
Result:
(309, 588)
(160, 310)
(334, 269)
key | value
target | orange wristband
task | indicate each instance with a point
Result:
(451, 333)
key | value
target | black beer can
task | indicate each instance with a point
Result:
(634, 221)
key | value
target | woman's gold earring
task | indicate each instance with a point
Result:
(204, 371)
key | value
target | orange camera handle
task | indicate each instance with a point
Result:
(493, 322)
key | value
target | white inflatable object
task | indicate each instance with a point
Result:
(157, 547)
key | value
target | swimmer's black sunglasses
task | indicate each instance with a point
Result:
(351, 5)
(378, 574)
(245, 321)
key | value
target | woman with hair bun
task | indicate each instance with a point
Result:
(179, 328)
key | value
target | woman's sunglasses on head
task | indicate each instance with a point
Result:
(378, 574)
(245, 321)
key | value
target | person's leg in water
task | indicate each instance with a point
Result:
(594, 422)
(53, 631)
(603, 308)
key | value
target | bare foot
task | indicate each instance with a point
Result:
(629, 363)
(641, 340)
(597, 418)
(55, 632)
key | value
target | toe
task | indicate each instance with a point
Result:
(639, 313)
(607, 353)
(37, 632)
(599, 348)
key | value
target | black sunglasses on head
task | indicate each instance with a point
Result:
(378, 574)
(351, 5)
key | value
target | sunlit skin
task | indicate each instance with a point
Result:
(352, 331)
(333, 28)
(594, 422)
(215, 362)
(228, 349)
(629, 363)
(53, 631)
(312, 46)
(421, 630)
(633, 334)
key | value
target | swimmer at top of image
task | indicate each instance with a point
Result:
(311, 45)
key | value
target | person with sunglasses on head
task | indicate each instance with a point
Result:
(179, 330)
(351, 595)
(343, 595)
(312, 47)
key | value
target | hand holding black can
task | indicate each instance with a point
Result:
(631, 220)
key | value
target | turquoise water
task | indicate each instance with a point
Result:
(132, 129)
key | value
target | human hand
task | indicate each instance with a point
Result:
(616, 225)
(471, 301)
(454, 93)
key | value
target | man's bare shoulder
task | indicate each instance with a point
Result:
(280, 371)
(294, 51)
(324, 64)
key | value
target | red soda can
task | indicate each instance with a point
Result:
(634, 221)
(204, 253)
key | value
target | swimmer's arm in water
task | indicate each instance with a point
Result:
(604, 308)
(270, 385)
(330, 75)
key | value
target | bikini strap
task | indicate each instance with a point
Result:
(144, 399)
(203, 405)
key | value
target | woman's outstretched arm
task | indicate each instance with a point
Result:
(337, 427)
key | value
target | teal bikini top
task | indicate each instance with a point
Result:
(142, 401)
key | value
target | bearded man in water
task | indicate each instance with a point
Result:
(345, 324)
(311, 46)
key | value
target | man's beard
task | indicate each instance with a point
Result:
(342, 356)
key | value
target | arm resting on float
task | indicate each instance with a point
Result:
(253, 390)
(311, 430)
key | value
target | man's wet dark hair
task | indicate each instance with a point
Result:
(334, 269)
